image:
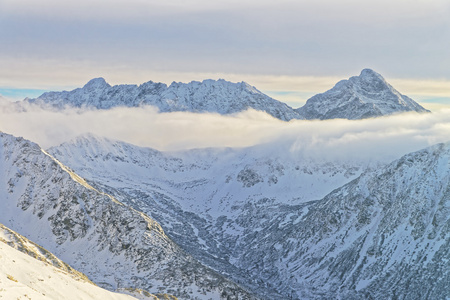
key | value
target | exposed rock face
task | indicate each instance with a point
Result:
(364, 96)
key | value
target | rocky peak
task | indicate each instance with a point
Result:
(370, 75)
(96, 83)
(364, 96)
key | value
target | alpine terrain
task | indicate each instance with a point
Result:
(365, 96)
(207, 200)
(218, 96)
(271, 221)
(384, 234)
(113, 244)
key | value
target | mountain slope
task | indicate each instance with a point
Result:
(116, 246)
(208, 200)
(384, 235)
(364, 96)
(207, 96)
(40, 274)
(22, 244)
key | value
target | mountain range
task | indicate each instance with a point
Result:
(378, 235)
(199, 195)
(364, 96)
(241, 211)
(110, 219)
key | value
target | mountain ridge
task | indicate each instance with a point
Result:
(28, 271)
(218, 96)
(364, 96)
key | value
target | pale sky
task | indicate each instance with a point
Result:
(290, 50)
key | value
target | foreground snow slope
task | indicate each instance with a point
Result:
(41, 275)
(116, 246)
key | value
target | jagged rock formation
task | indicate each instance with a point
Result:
(207, 96)
(365, 96)
(116, 246)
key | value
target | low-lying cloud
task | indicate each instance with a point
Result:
(380, 138)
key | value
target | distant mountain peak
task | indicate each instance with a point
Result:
(99, 82)
(369, 73)
(359, 97)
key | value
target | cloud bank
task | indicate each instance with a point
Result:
(380, 138)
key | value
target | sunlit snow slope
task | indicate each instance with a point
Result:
(28, 271)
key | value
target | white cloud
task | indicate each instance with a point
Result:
(385, 138)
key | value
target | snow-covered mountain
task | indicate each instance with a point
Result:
(115, 245)
(28, 271)
(364, 96)
(207, 96)
(383, 234)
(207, 200)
